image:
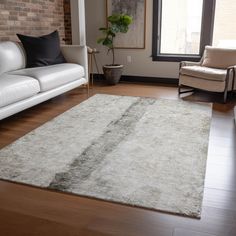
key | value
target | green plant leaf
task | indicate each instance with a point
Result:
(115, 28)
(113, 18)
(108, 42)
(100, 40)
(124, 29)
(102, 29)
(111, 33)
(127, 19)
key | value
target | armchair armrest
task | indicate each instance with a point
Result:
(231, 71)
(232, 67)
(189, 63)
(76, 54)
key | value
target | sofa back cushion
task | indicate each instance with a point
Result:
(12, 57)
(220, 58)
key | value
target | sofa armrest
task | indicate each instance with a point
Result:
(76, 54)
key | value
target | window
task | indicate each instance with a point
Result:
(181, 28)
(224, 34)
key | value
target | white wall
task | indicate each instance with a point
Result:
(142, 64)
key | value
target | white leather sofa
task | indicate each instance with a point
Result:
(21, 88)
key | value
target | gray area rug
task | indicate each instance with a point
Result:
(132, 150)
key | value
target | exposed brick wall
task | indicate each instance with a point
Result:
(34, 17)
(67, 20)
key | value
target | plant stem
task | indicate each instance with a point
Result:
(113, 52)
(113, 56)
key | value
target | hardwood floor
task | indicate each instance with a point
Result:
(31, 211)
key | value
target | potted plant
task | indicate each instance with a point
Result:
(117, 23)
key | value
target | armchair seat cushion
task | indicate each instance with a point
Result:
(16, 88)
(50, 77)
(204, 72)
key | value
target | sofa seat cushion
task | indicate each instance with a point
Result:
(16, 88)
(50, 77)
(204, 72)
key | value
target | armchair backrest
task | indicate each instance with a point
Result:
(220, 58)
(12, 57)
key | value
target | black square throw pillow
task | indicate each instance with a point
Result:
(42, 51)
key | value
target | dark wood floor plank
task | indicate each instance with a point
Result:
(33, 226)
(184, 232)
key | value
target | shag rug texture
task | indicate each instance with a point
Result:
(137, 151)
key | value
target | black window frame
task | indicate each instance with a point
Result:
(208, 15)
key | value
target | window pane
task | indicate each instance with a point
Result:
(224, 29)
(181, 26)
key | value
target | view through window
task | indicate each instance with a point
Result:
(224, 34)
(180, 31)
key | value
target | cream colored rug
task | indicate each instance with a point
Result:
(131, 150)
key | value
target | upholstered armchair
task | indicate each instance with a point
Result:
(215, 72)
